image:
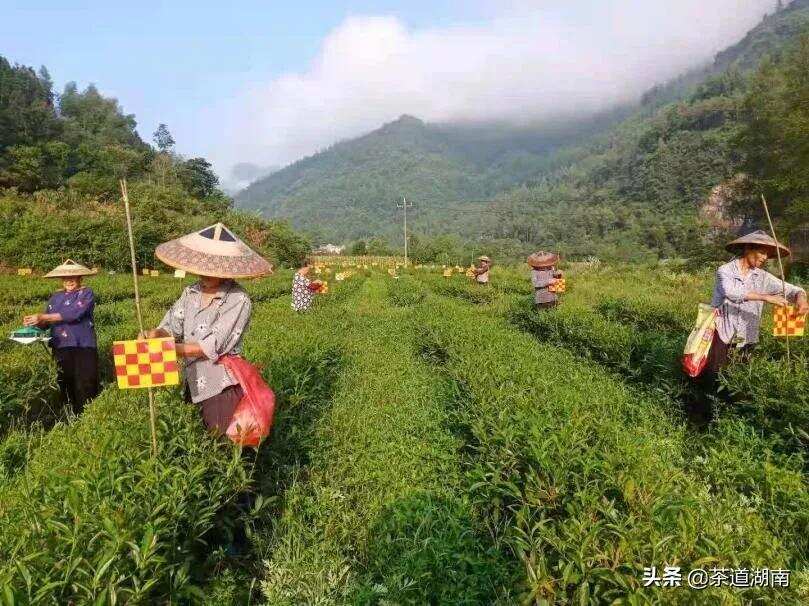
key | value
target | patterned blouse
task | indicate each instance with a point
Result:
(541, 280)
(76, 328)
(739, 321)
(301, 295)
(218, 328)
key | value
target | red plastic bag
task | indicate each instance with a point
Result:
(253, 416)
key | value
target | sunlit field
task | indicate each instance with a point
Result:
(435, 442)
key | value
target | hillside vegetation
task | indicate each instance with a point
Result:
(61, 157)
(351, 189)
(631, 191)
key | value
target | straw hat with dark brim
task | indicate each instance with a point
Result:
(484, 258)
(543, 259)
(70, 269)
(757, 238)
(214, 251)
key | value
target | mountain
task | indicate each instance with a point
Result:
(626, 183)
(672, 179)
(351, 189)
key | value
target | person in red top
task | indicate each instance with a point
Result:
(69, 314)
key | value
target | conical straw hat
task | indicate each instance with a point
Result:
(757, 238)
(543, 259)
(70, 269)
(214, 251)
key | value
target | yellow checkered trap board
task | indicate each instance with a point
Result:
(146, 363)
(559, 287)
(787, 323)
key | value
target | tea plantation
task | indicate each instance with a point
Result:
(435, 442)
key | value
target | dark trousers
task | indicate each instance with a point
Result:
(77, 375)
(547, 305)
(217, 411)
(719, 357)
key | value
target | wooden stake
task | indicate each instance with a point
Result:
(780, 265)
(152, 411)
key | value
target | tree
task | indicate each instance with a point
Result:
(163, 139)
(378, 247)
(33, 167)
(92, 118)
(359, 248)
(775, 134)
(27, 115)
(197, 177)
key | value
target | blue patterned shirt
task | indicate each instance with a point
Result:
(76, 328)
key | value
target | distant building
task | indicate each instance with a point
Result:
(329, 249)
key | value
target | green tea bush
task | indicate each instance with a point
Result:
(581, 480)
(406, 291)
(768, 477)
(648, 315)
(94, 518)
(376, 516)
(460, 287)
(16, 448)
(27, 384)
(772, 393)
(579, 329)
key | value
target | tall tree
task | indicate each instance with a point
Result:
(198, 178)
(162, 139)
(94, 119)
(776, 132)
(27, 114)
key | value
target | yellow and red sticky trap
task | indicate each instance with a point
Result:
(146, 363)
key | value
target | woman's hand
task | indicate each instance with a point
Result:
(777, 300)
(803, 305)
(189, 350)
(32, 320)
(154, 333)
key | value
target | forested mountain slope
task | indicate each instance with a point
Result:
(665, 178)
(351, 189)
(626, 184)
(61, 156)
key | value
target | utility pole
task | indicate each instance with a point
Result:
(404, 206)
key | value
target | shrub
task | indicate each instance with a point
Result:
(376, 515)
(578, 478)
(405, 291)
(95, 518)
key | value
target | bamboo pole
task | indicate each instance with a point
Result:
(152, 411)
(780, 265)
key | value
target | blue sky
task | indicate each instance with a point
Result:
(165, 59)
(269, 82)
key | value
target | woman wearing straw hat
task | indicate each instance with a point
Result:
(740, 292)
(211, 316)
(70, 315)
(304, 289)
(544, 275)
(481, 272)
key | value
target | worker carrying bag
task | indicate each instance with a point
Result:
(695, 355)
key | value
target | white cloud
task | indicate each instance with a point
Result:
(531, 60)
